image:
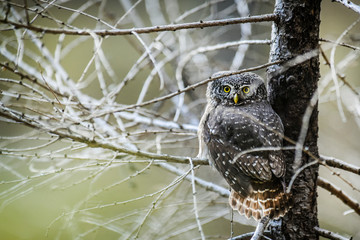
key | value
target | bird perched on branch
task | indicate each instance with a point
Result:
(242, 137)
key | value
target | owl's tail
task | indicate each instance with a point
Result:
(268, 202)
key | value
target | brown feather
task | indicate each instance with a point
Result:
(262, 203)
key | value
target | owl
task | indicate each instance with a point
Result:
(241, 135)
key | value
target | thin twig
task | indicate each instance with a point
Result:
(330, 235)
(333, 69)
(136, 67)
(243, 9)
(341, 77)
(196, 211)
(33, 123)
(26, 12)
(205, 184)
(247, 236)
(337, 163)
(50, 89)
(32, 79)
(103, 206)
(340, 44)
(80, 11)
(171, 27)
(222, 191)
(173, 94)
(304, 130)
(349, 4)
(339, 194)
(297, 172)
(152, 58)
(301, 58)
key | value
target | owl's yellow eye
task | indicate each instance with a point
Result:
(246, 89)
(227, 89)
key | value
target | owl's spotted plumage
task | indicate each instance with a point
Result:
(242, 137)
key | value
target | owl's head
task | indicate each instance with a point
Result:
(236, 89)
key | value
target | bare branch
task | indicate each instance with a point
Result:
(258, 234)
(260, 228)
(96, 143)
(196, 211)
(333, 69)
(334, 162)
(170, 27)
(341, 77)
(339, 194)
(152, 58)
(30, 78)
(247, 236)
(205, 184)
(340, 44)
(243, 9)
(191, 87)
(330, 235)
(350, 5)
(301, 58)
(297, 172)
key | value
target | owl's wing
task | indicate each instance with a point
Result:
(272, 136)
(221, 155)
(229, 158)
(277, 163)
(255, 166)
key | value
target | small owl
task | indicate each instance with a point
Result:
(241, 135)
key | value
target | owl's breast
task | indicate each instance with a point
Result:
(245, 127)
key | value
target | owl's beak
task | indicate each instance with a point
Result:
(236, 98)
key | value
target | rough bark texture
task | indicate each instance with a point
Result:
(294, 33)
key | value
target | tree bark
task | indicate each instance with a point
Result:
(296, 32)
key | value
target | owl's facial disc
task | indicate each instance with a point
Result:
(234, 94)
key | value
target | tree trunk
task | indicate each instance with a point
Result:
(296, 32)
